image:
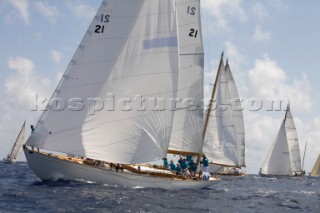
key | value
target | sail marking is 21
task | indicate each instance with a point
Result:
(104, 19)
(192, 11)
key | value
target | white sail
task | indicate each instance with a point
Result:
(284, 155)
(316, 168)
(129, 50)
(224, 139)
(16, 148)
(188, 119)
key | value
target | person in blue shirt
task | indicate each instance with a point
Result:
(32, 129)
(172, 166)
(205, 163)
(193, 167)
(165, 163)
(178, 169)
(180, 161)
(185, 169)
(188, 158)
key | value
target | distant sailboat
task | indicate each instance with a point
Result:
(224, 137)
(143, 49)
(315, 172)
(283, 158)
(16, 148)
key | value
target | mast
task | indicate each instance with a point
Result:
(212, 96)
(304, 154)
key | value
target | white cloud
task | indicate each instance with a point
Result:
(232, 53)
(259, 10)
(268, 80)
(56, 56)
(22, 86)
(22, 6)
(46, 10)
(223, 10)
(82, 11)
(259, 35)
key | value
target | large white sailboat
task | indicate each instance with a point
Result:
(136, 57)
(16, 148)
(224, 137)
(283, 158)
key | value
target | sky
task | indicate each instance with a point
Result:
(272, 47)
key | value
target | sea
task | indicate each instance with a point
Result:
(22, 191)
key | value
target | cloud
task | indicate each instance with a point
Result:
(82, 11)
(268, 80)
(48, 11)
(259, 10)
(261, 36)
(22, 6)
(56, 56)
(232, 53)
(22, 86)
(223, 10)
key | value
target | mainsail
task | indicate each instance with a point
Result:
(224, 138)
(188, 118)
(284, 155)
(129, 56)
(316, 168)
(16, 148)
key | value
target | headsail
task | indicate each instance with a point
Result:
(188, 119)
(224, 138)
(137, 59)
(16, 148)
(284, 155)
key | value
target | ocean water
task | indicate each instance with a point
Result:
(22, 191)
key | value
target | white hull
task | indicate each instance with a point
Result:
(50, 168)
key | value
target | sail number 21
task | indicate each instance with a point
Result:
(103, 19)
(192, 11)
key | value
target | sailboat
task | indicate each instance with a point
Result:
(283, 158)
(315, 172)
(135, 56)
(16, 148)
(224, 136)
